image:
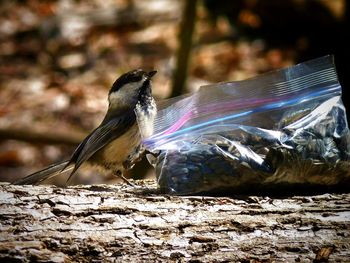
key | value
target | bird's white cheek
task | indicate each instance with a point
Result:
(117, 100)
(126, 96)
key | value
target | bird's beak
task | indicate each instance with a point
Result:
(151, 74)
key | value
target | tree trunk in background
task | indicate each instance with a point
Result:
(184, 49)
(107, 223)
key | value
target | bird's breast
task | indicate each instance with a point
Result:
(118, 151)
(146, 115)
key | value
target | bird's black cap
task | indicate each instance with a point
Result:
(129, 77)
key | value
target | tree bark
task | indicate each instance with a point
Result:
(119, 223)
(183, 55)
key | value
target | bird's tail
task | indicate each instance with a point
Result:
(48, 172)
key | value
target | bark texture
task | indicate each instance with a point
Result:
(118, 223)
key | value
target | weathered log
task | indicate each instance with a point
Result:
(117, 223)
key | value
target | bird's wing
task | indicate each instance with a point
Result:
(100, 137)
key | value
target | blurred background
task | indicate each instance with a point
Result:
(58, 59)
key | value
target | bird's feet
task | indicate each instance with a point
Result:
(121, 176)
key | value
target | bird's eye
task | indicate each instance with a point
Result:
(135, 78)
(135, 75)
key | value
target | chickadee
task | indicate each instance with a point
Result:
(115, 145)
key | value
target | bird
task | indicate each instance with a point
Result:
(115, 145)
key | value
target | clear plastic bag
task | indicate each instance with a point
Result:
(285, 130)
